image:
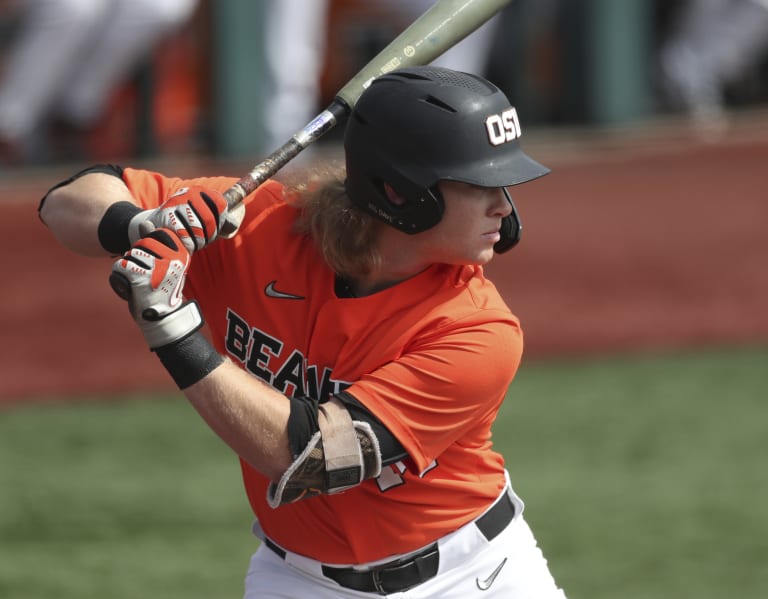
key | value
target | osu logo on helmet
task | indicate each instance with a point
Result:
(503, 127)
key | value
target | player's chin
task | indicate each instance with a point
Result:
(483, 255)
(479, 252)
(486, 251)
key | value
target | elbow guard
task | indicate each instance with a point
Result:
(341, 453)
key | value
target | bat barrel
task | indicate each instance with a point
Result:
(442, 26)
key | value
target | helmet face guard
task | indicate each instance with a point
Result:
(417, 126)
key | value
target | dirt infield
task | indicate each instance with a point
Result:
(638, 239)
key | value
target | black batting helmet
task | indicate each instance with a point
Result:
(416, 126)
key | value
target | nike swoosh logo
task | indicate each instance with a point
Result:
(270, 291)
(484, 585)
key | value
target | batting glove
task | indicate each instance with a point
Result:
(195, 214)
(151, 277)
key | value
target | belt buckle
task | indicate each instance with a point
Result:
(377, 583)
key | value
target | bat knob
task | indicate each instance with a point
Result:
(120, 285)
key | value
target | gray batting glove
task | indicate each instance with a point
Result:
(196, 214)
(151, 277)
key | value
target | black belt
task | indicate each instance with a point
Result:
(406, 573)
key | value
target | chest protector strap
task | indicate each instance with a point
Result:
(340, 455)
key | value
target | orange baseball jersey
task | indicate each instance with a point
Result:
(431, 357)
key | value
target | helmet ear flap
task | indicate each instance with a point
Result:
(419, 212)
(511, 229)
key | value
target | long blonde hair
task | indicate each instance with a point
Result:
(345, 235)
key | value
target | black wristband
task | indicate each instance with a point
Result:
(113, 228)
(189, 359)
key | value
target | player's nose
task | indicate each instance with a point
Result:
(500, 205)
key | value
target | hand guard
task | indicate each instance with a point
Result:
(151, 277)
(195, 214)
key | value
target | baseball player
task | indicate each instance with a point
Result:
(357, 356)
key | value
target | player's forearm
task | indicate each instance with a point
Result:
(73, 212)
(248, 415)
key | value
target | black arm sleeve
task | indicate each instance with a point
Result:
(302, 423)
(109, 169)
(391, 449)
(113, 227)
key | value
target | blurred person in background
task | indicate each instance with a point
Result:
(712, 43)
(296, 50)
(65, 60)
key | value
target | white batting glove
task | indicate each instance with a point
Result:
(196, 214)
(151, 277)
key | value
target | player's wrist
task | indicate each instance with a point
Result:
(113, 230)
(189, 359)
(172, 327)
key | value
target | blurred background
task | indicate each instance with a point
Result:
(636, 427)
(92, 80)
(651, 114)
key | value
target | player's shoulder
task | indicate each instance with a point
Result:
(268, 205)
(466, 303)
(479, 292)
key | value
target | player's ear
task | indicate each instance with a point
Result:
(393, 196)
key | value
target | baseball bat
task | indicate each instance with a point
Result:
(442, 26)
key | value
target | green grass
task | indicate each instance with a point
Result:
(134, 498)
(644, 477)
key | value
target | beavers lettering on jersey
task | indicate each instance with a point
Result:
(260, 352)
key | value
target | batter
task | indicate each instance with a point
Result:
(355, 355)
